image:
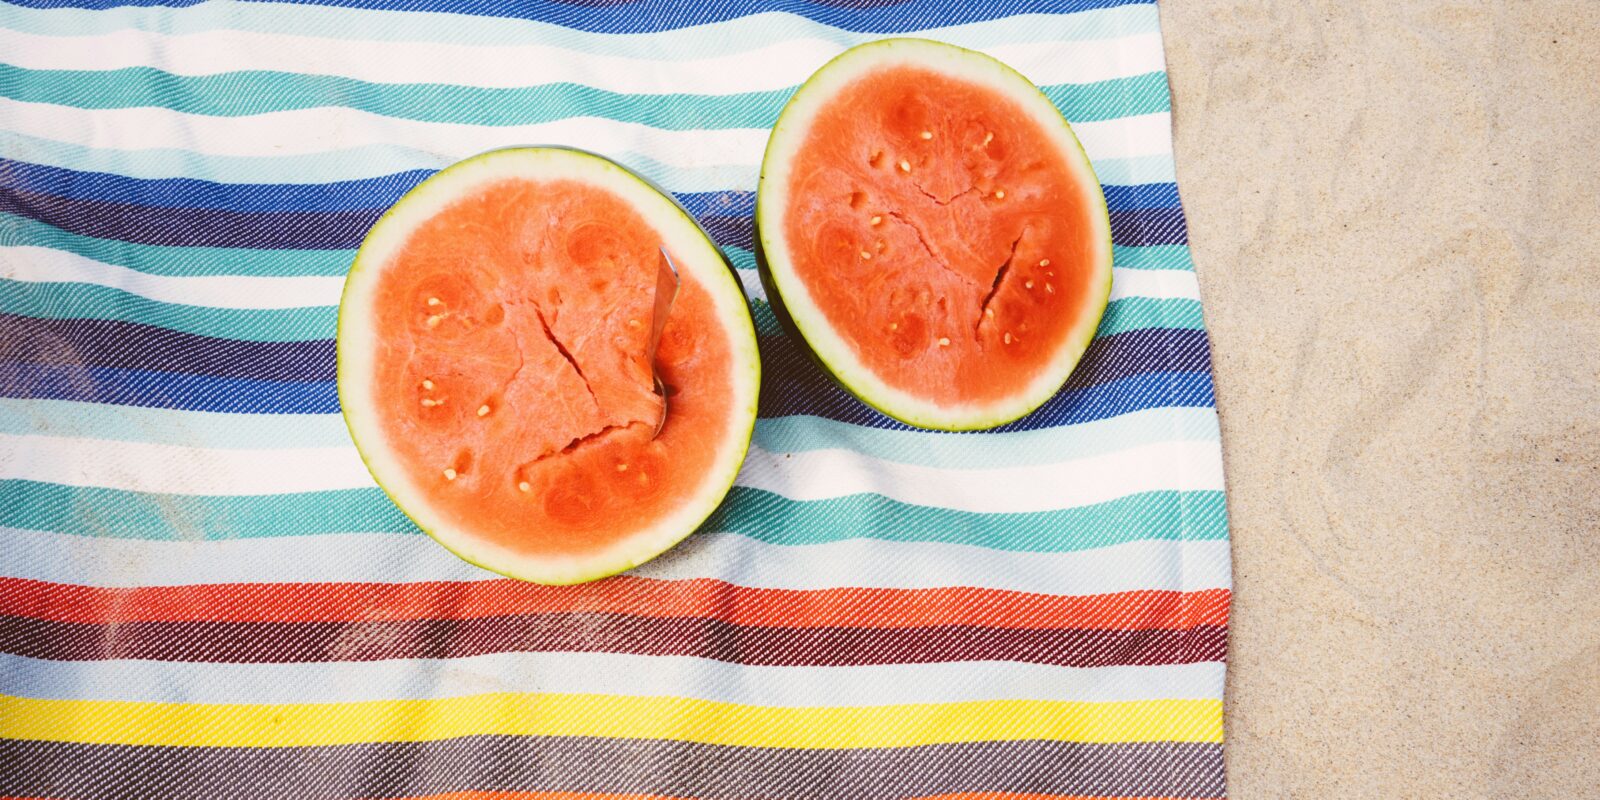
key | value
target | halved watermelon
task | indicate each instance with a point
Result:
(494, 375)
(929, 224)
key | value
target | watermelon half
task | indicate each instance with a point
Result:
(493, 368)
(929, 224)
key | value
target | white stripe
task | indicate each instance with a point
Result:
(779, 65)
(47, 265)
(821, 474)
(1157, 283)
(601, 673)
(811, 475)
(316, 130)
(382, 557)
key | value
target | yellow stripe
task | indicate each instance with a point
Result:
(206, 725)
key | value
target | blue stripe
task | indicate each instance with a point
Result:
(643, 16)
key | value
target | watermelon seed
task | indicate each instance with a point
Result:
(905, 166)
(865, 255)
(989, 312)
(1027, 284)
(988, 137)
(999, 194)
(1044, 262)
(944, 341)
(1050, 288)
(483, 410)
(433, 321)
(434, 301)
(622, 467)
(449, 474)
(877, 220)
(1008, 337)
(428, 402)
(427, 384)
(525, 486)
(633, 323)
(894, 326)
(926, 135)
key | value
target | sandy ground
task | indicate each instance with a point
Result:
(1395, 211)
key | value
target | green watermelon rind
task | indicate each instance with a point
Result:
(620, 559)
(923, 52)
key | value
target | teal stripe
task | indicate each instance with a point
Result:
(380, 159)
(69, 419)
(180, 261)
(1136, 313)
(1157, 256)
(90, 301)
(761, 515)
(743, 260)
(260, 92)
(734, 36)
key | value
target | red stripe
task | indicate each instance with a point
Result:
(371, 602)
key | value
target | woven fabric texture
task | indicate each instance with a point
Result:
(203, 595)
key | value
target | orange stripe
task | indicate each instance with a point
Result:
(882, 608)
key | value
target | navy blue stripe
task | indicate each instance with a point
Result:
(194, 227)
(1149, 226)
(373, 193)
(641, 16)
(1143, 195)
(1121, 373)
(149, 348)
(132, 387)
(344, 229)
(130, 345)
(200, 393)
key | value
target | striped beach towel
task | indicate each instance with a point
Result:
(202, 595)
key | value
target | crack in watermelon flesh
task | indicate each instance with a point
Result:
(512, 371)
(986, 268)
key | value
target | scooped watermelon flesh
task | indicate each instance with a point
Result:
(509, 380)
(944, 235)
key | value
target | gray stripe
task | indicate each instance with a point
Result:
(501, 763)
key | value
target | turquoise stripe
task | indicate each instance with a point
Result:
(1157, 256)
(378, 160)
(743, 260)
(69, 419)
(90, 301)
(180, 261)
(247, 93)
(734, 36)
(1136, 313)
(109, 513)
